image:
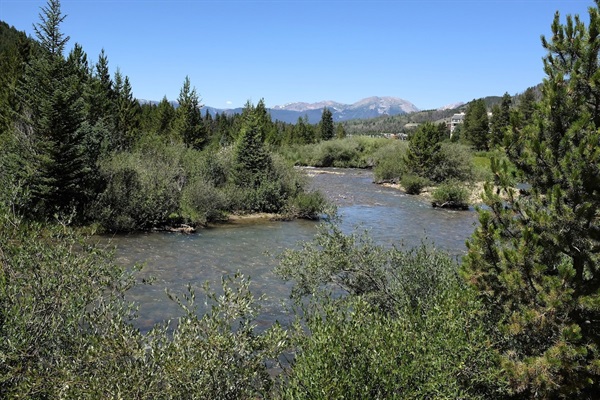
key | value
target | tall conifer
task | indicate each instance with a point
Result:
(253, 162)
(53, 112)
(188, 120)
(535, 258)
(327, 128)
(476, 125)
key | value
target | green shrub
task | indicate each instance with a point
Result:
(307, 205)
(384, 323)
(59, 296)
(270, 197)
(337, 153)
(455, 163)
(349, 152)
(202, 203)
(389, 161)
(65, 329)
(218, 355)
(414, 184)
(451, 193)
(142, 190)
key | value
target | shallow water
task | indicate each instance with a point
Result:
(174, 260)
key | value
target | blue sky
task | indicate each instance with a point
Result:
(429, 52)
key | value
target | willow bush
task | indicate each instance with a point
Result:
(384, 323)
(66, 330)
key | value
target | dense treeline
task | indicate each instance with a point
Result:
(519, 318)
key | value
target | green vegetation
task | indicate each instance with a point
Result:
(349, 152)
(326, 125)
(414, 184)
(451, 194)
(476, 128)
(66, 330)
(384, 323)
(424, 150)
(534, 258)
(78, 146)
(520, 318)
(390, 161)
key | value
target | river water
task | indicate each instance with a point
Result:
(176, 260)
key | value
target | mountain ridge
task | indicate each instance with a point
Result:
(369, 107)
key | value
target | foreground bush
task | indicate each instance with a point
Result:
(65, 330)
(59, 298)
(384, 323)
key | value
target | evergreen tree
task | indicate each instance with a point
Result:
(326, 125)
(424, 149)
(48, 32)
(53, 114)
(476, 125)
(188, 120)
(223, 129)
(100, 98)
(78, 61)
(500, 120)
(209, 125)
(127, 112)
(302, 132)
(269, 130)
(14, 56)
(525, 109)
(253, 162)
(535, 257)
(164, 118)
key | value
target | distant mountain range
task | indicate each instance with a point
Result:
(370, 107)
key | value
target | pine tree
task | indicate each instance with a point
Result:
(326, 125)
(101, 96)
(302, 132)
(13, 59)
(476, 125)
(253, 162)
(127, 112)
(424, 149)
(500, 120)
(164, 117)
(53, 112)
(525, 109)
(188, 120)
(535, 257)
(48, 32)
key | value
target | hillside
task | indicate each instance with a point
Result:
(397, 123)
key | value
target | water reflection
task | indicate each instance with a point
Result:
(174, 260)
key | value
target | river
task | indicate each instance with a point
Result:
(174, 260)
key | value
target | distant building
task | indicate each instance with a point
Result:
(455, 121)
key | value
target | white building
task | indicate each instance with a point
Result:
(455, 121)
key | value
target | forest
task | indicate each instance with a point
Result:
(518, 317)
